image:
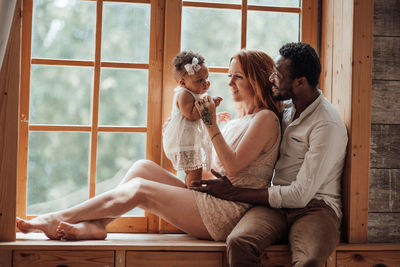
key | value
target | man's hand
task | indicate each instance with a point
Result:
(219, 187)
(222, 187)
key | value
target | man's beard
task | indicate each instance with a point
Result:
(281, 94)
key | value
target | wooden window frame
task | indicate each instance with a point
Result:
(345, 38)
(152, 129)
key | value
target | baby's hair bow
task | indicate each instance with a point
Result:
(194, 67)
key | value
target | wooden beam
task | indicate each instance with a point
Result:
(25, 78)
(309, 22)
(172, 45)
(359, 145)
(154, 114)
(9, 97)
(351, 84)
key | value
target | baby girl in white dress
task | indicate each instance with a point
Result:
(185, 141)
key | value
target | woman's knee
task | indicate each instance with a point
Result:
(132, 192)
(139, 169)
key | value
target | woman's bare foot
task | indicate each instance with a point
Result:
(85, 230)
(47, 224)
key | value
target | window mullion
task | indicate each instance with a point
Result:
(244, 24)
(95, 101)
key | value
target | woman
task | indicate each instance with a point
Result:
(247, 150)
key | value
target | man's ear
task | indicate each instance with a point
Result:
(300, 82)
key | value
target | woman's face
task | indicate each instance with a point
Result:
(239, 84)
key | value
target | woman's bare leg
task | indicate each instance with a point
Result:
(176, 205)
(193, 175)
(102, 203)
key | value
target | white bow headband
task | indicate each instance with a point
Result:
(193, 67)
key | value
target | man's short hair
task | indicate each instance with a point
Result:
(304, 61)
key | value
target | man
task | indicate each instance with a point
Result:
(304, 202)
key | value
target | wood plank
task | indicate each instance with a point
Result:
(309, 22)
(95, 100)
(9, 120)
(384, 227)
(171, 258)
(386, 18)
(385, 146)
(359, 141)
(120, 256)
(277, 258)
(384, 192)
(172, 45)
(154, 114)
(62, 258)
(144, 241)
(362, 259)
(385, 104)
(386, 58)
(5, 257)
(327, 48)
(243, 34)
(24, 108)
(128, 225)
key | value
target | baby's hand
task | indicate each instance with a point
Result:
(223, 117)
(217, 100)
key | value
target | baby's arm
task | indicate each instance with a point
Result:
(187, 107)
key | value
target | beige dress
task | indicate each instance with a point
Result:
(221, 216)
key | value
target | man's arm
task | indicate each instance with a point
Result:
(222, 188)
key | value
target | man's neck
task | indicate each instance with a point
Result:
(303, 101)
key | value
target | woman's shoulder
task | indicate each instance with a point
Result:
(266, 115)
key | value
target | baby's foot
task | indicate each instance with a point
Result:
(44, 223)
(82, 231)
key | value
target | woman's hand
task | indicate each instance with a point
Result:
(207, 111)
(223, 117)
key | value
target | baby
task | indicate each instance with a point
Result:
(185, 141)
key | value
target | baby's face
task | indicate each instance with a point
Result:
(197, 83)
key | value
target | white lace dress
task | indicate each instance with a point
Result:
(186, 143)
(221, 216)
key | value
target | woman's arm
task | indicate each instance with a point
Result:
(187, 107)
(261, 135)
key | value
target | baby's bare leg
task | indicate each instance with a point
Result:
(193, 176)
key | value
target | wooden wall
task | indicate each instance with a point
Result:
(9, 96)
(384, 195)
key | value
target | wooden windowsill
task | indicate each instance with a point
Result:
(159, 242)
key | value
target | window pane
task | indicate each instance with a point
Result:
(219, 87)
(60, 95)
(215, 33)
(58, 167)
(63, 29)
(282, 3)
(126, 32)
(116, 153)
(123, 97)
(270, 30)
(218, 1)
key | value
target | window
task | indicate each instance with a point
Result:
(96, 85)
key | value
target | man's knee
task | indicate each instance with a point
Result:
(237, 245)
(242, 252)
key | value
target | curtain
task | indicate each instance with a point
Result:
(7, 8)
